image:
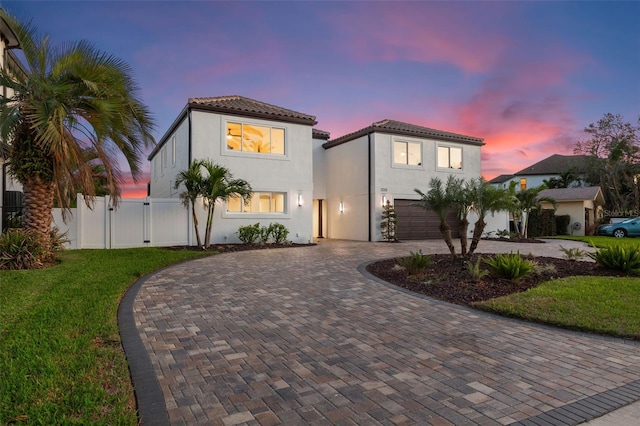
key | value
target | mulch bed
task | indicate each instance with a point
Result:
(449, 279)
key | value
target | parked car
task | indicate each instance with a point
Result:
(626, 228)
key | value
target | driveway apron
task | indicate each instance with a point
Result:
(301, 336)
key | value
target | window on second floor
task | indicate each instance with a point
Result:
(261, 202)
(523, 184)
(408, 153)
(449, 157)
(253, 138)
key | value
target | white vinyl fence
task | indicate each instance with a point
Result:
(141, 222)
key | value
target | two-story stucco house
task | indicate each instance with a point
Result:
(269, 146)
(387, 161)
(315, 186)
(551, 167)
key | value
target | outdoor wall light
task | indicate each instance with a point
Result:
(341, 207)
(299, 200)
(384, 200)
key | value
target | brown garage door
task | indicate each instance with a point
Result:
(416, 223)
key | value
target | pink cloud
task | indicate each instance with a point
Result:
(420, 32)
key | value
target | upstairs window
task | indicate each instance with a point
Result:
(261, 202)
(257, 139)
(449, 157)
(523, 184)
(407, 153)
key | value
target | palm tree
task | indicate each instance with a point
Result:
(527, 201)
(193, 182)
(463, 195)
(440, 201)
(220, 185)
(70, 97)
(487, 199)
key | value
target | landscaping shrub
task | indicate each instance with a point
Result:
(476, 272)
(415, 263)
(21, 249)
(279, 232)
(573, 253)
(510, 266)
(265, 234)
(541, 223)
(249, 234)
(618, 258)
(562, 224)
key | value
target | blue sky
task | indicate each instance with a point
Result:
(525, 76)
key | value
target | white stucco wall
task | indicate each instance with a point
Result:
(399, 181)
(319, 170)
(291, 173)
(163, 178)
(347, 183)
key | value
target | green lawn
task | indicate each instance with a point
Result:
(61, 361)
(607, 305)
(601, 241)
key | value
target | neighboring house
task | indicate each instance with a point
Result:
(551, 167)
(269, 146)
(10, 191)
(582, 204)
(387, 161)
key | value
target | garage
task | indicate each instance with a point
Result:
(416, 223)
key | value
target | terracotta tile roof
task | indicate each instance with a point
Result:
(556, 164)
(320, 134)
(574, 194)
(239, 105)
(400, 128)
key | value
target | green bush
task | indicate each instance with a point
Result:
(541, 223)
(279, 232)
(573, 253)
(265, 234)
(249, 234)
(415, 263)
(21, 249)
(511, 266)
(618, 258)
(476, 272)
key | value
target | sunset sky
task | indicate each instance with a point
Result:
(525, 76)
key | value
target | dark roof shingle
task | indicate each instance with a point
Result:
(556, 164)
(239, 105)
(400, 128)
(573, 194)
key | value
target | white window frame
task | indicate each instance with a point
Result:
(406, 164)
(252, 215)
(449, 148)
(173, 151)
(225, 150)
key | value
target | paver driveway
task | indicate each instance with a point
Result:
(300, 336)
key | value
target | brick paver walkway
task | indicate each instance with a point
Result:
(300, 336)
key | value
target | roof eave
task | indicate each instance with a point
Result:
(371, 129)
(253, 114)
(9, 35)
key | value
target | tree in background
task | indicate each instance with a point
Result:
(68, 98)
(566, 179)
(614, 148)
(388, 222)
(527, 201)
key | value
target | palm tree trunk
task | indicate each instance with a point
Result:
(478, 229)
(463, 227)
(207, 233)
(38, 207)
(195, 223)
(446, 234)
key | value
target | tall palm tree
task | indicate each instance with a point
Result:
(193, 182)
(72, 96)
(462, 193)
(440, 201)
(219, 184)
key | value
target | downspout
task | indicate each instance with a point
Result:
(190, 132)
(370, 177)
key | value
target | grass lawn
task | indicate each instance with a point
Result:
(607, 305)
(602, 241)
(61, 361)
